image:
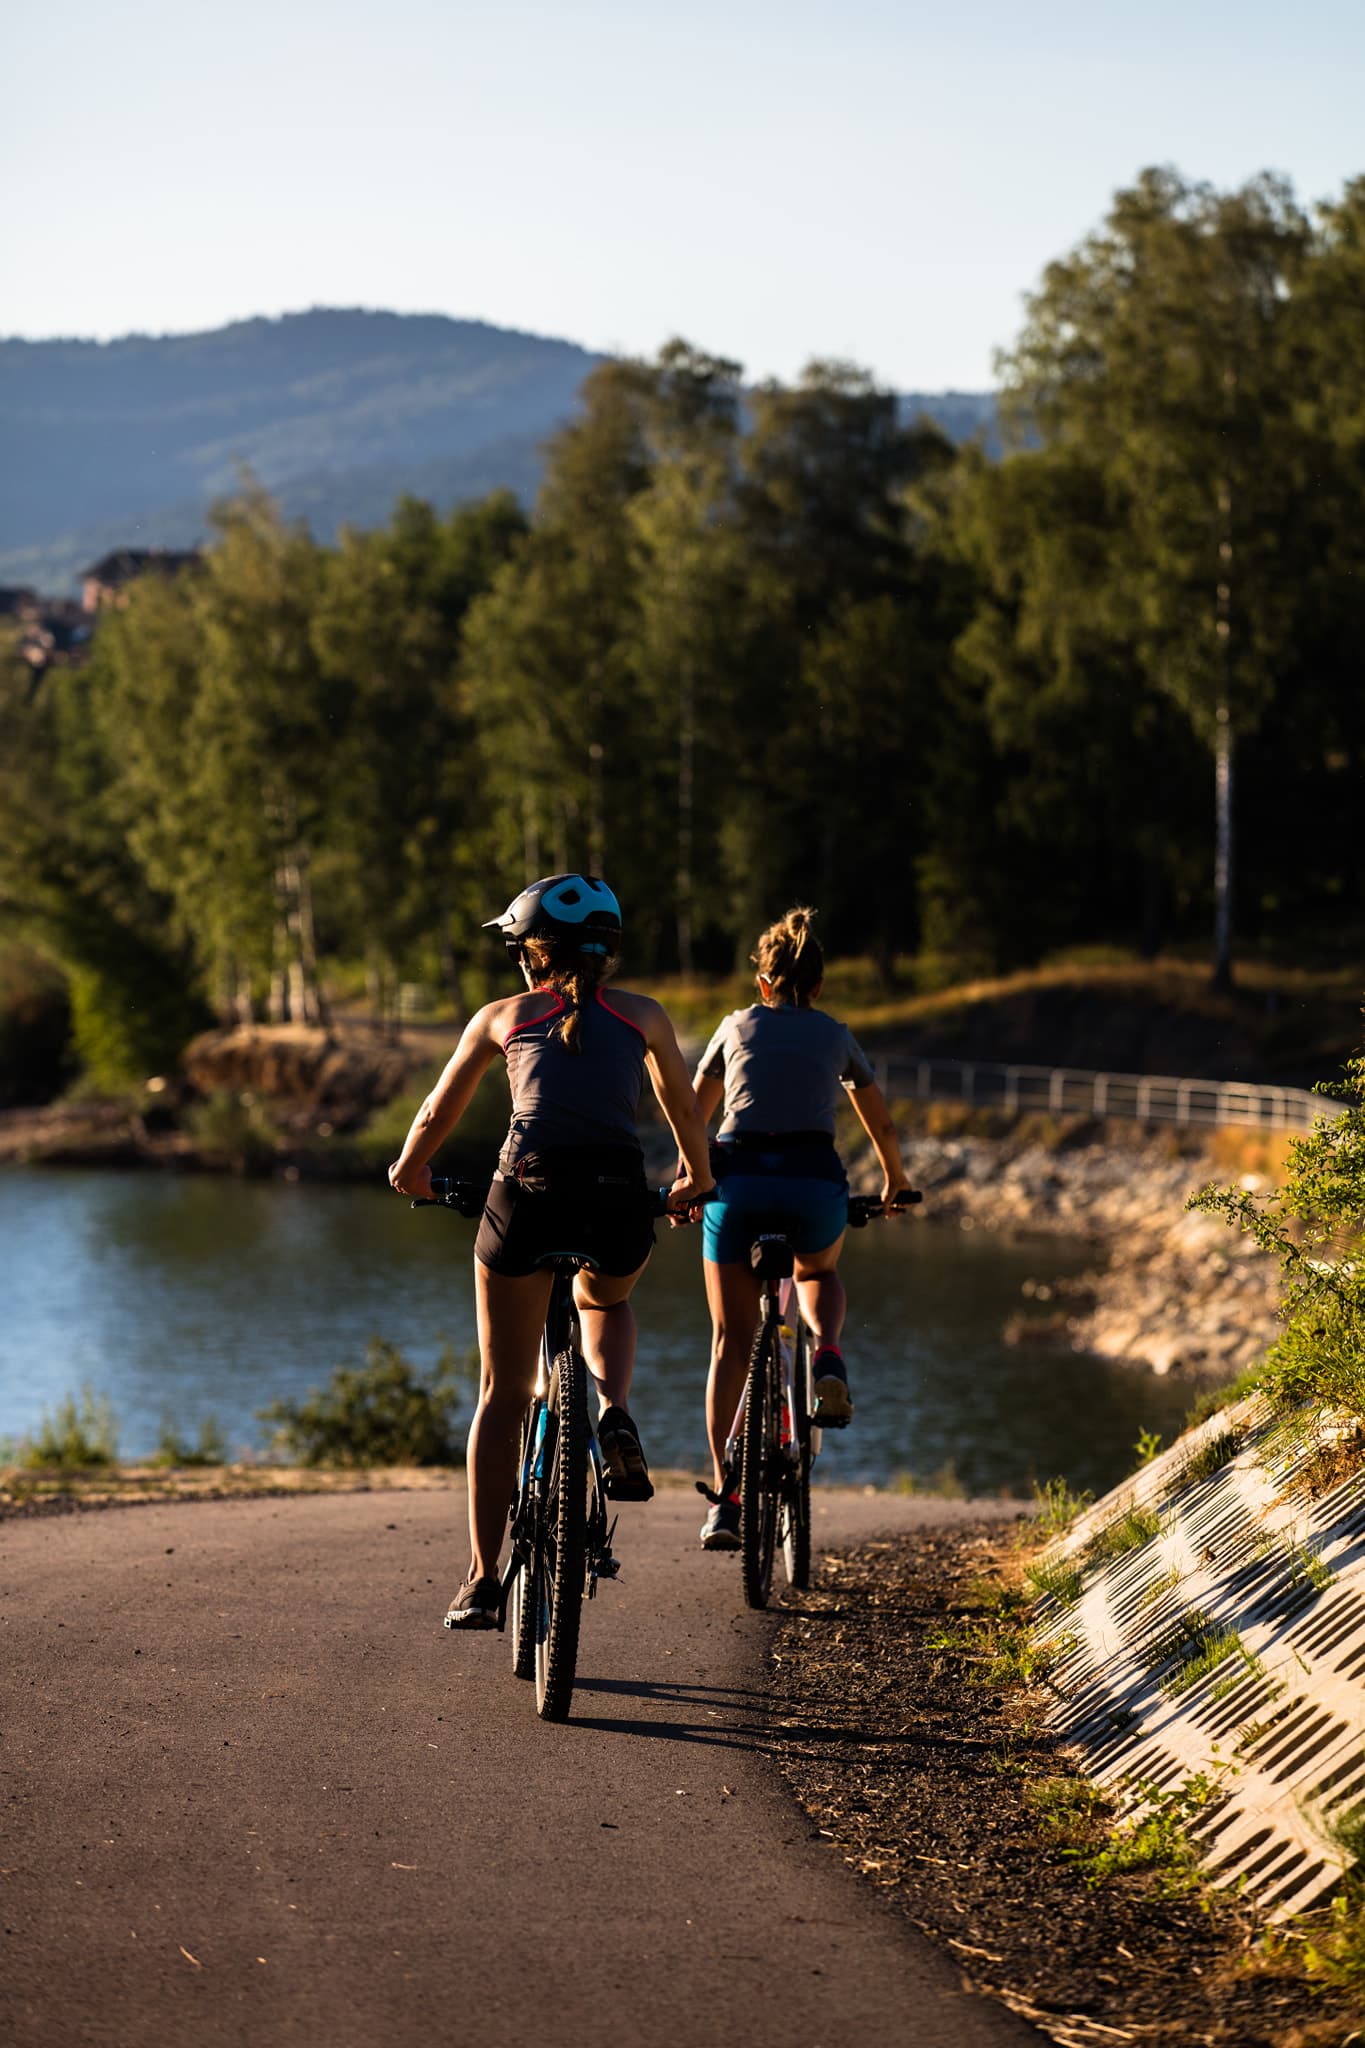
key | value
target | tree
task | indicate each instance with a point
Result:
(688, 578)
(1154, 353)
(1078, 738)
(546, 649)
(842, 637)
(71, 887)
(217, 721)
(403, 824)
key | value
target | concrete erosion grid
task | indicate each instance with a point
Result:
(1230, 1643)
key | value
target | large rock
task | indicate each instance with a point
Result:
(302, 1074)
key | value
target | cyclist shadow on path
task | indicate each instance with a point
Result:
(737, 1717)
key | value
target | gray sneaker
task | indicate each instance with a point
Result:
(720, 1530)
(476, 1605)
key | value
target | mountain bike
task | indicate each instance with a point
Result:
(775, 1441)
(560, 1532)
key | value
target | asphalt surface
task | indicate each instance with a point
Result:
(250, 1791)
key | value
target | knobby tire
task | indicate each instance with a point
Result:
(758, 1474)
(564, 1555)
(796, 1494)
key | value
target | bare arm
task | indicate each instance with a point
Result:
(672, 1086)
(710, 1093)
(410, 1173)
(869, 1106)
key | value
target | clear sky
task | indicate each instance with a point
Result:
(773, 179)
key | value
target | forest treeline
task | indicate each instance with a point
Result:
(761, 645)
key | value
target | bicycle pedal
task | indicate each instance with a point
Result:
(609, 1567)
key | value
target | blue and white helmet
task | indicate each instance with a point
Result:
(576, 908)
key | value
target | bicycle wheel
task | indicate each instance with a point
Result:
(795, 1523)
(522, 1603)
(759, 1474)
(563, 1551)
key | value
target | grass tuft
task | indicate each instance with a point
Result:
(1167, 1583)
(1057, 1578)
(1212, 1455)
(1192, 1647)
(1158, 1840)
(1330, 1465)
(1058, 1507)
(1066, 1806)
(82, 1433)
(1129, 1531)
(1215, 1399)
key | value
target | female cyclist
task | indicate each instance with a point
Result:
(570, 1177)
(777, 1068)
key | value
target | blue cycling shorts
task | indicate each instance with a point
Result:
(811, 1213)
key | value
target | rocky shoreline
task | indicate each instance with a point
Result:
(1171, 1292)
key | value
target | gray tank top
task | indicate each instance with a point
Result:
(782, 1068)
(559, 1098)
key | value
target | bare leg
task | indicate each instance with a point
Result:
(607, 1321)
(823, 1300)
(733, 1293)
(511, 1316)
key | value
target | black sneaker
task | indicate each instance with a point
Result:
(476, 1605)
(626, 1474)
(833, 1402)
(720, 1530)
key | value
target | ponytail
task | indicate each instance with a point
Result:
(789, 956)
(575, 973)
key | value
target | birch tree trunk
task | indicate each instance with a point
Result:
(1224, 850)
(687, 748)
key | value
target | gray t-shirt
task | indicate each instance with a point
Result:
(782, 1068)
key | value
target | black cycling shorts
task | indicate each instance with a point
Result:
(590, 1204)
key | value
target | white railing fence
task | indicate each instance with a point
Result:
(1072, 1091)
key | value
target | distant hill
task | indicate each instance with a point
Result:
(126, 443)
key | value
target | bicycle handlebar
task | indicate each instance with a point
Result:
(862, 1208)
(468, 1197)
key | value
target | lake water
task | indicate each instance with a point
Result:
(188, 1297)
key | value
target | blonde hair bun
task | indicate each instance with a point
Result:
(789, 956)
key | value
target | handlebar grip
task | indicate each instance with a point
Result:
(661, 1196)
(863, 1208)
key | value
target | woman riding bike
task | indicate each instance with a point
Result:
(777, 1067)
(570, 1178)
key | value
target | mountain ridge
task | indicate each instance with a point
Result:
(336, 410)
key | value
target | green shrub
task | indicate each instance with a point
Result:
(232, 1130)
(478, 1136)
(131, 1006)
(173, 1450)
(1159, 1841)
(381, 1413)
(35, 1028)
(81, 1433)
(1147, 1447)
(1315, 1224)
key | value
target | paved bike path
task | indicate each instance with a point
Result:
(250, 1791)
